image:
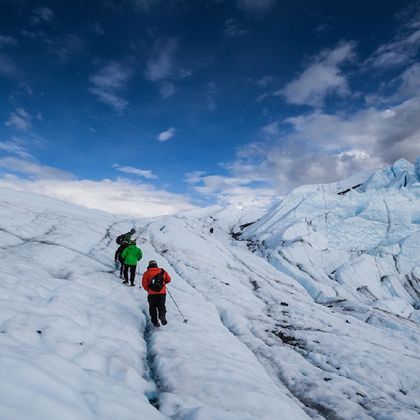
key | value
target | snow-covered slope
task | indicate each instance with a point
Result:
(75, 343)
(260, 342)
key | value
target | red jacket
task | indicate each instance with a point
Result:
(149, 274)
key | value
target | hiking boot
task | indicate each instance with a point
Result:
(125, 282)
(156, 323)
(163, 320)
(132, 285)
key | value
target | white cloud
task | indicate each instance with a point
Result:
(110, 98)
(8, 41)
(321, 78)
(20, 120)
(120, 196)
(163, 66)
(194, 177)
(410, 82)
(117, 197)
(271, 129)
(135, 171)
(166, 135)
(229, 191)
(15, 147)
(33, 169)
(109, 82)
(321, 147)
(162, 60)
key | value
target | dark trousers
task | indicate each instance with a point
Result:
(132, 269)
(157, 304)
(118, 257)
(121, 265)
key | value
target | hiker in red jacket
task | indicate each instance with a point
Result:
(154, 282)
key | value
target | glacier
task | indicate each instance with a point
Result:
(310, 310)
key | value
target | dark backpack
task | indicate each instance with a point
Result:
(119, 239)
(158, 281)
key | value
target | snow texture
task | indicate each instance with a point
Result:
(310, 312)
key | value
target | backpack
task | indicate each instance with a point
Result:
(119, 239)
(158, 281)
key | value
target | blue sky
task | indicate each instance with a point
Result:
(150, 107)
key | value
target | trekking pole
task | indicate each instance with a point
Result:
(179, 310)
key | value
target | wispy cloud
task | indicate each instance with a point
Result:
(135, 171)
(42, 15)
(410, 82)
(161, 63)
(97, 28)
(194, 177)
(8, 41)
(167, 89)
(33, 169)
(402, 49)
(321, 78)
(110, 82)
(68, 47)
(20, 120)
(232, 29)
(166, 135)
(265, 81)
(163, 66)
(15, 147)
(271, 129)
(64, 47)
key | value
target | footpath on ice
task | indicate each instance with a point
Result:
(269, 336)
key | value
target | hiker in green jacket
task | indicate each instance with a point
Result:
(131, 255)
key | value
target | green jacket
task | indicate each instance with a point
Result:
(131, 255)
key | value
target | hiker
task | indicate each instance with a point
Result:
(125, 237)
(123, 241)
(130, 256)
(118, 257)
(154, 282)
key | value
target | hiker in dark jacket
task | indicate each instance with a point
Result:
(127, 236)
(123, 240)
(156, 298)
(131, 255)
(118, 257)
